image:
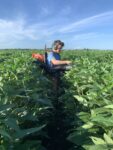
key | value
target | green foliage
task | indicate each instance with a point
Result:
(30, 117)
(90, 86)
(23, 100)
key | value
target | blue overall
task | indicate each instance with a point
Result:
(52, 55)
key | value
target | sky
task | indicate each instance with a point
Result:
(78, 23)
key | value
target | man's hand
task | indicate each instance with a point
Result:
(68, 62)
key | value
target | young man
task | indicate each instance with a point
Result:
(54, 61)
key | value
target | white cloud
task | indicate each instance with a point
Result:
(88, 22)
(14, 31)
(11, 30)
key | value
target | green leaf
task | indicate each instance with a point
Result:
(109, 106)
(95, 147)
(2, 147)
(84, 116)
(103, 121)
(81, 100)
(1, 78)
(44, 102)
(108, 139)
(98, 141)
(6, 106)
(4, 133)
(79, 137)
(11, 123)
(88, 125)
(25, 132)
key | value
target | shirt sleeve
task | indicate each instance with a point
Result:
(50, 57)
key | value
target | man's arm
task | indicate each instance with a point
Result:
(60, 62)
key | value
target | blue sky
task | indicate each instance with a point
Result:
(79, 23)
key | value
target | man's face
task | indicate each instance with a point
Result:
(59, 48)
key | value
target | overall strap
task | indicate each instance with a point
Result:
(46, 55)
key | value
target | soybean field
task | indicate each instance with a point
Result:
(32, 117)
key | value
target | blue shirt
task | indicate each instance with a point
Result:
(52, 55)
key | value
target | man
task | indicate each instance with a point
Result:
(54, 61)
